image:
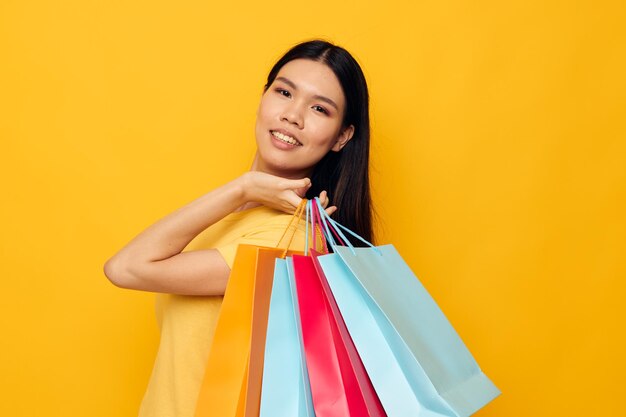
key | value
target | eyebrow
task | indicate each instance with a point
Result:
(317, 97)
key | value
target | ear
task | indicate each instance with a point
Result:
(344, 137)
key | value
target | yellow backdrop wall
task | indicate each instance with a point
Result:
(499, 155)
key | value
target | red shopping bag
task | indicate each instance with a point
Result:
(340, 386)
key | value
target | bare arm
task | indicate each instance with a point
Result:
(154, 261)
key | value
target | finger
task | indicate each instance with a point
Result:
(294, 201)
(302, 183)
(301, 192)
(324, 198)
(300, 187)
(288, 200)
(330, 210)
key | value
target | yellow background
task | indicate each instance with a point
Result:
(499, 172)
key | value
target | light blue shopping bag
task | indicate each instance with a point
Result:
(285, 389)
(417, 362)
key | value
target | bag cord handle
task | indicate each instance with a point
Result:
(318, 236)
(296, 215)
(330, 224)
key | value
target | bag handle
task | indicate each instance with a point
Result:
(332, 230)
(326, 228)
(296, 215)
(315, 229)
(336, 228)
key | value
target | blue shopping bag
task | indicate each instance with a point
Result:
(285, 388)
(417, 362)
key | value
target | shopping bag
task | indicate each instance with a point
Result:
(340, 386)
(339, 383)
(416, 361)
(224, 388)
(232, 381)
(285, 389)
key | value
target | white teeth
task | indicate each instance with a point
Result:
(285, 138)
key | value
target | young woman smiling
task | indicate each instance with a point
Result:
(312, 135)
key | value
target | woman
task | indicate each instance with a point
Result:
(312, 135)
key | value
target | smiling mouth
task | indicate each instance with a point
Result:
(285, 138)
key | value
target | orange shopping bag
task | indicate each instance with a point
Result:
(232, 380)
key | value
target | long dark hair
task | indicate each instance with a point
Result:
(344, 174)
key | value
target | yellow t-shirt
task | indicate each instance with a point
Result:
(187, 323)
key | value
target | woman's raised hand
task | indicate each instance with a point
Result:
(277, 192)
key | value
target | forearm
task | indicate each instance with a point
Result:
(171, 234)
(154, 261)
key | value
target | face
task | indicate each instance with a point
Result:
(299, 119)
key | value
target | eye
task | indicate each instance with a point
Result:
(320, 109)
(283, 92)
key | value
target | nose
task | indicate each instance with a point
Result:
(292, 114)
